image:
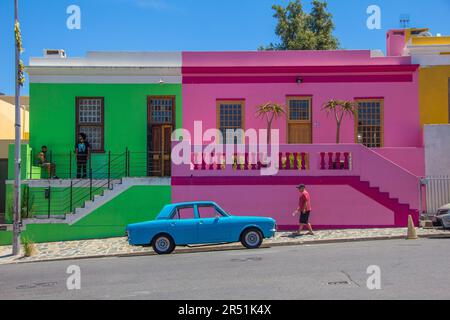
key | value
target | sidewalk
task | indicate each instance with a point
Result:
(119, 247)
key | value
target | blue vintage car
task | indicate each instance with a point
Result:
(195, 223)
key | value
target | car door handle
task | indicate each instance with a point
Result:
(172, 224)
(200, 222)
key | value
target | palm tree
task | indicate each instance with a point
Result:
(340, 108)
(270, 112)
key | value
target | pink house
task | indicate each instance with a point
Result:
(369, 180)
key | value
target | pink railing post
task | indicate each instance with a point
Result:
(295, 160)
(338, 161)
(330, 160)
(259, 162)
(195, 157)
(211, 165)
(346, 161)
(254, 160)
(203, 161)
(280, 161)
(288, 161)
(304, 161)
(219, 161)
(322, 161)
(246, 166)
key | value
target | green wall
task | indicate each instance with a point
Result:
(25, 154)
(52, 116)
(137, 204)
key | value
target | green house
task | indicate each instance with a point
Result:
(128, 105)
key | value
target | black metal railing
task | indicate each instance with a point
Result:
(71, 190)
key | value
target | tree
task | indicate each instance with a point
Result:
(298, 30)
(321, 24)
(270, 112)
(339, 108)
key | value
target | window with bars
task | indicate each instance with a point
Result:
(370, 123)
(161, 110)
(230, 116)
(299, 109)
(90, 121)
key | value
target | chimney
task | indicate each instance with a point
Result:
(395, 42)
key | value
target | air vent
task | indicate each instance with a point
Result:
(54, 53)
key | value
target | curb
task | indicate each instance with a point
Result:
(234, 247)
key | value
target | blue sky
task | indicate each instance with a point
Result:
(165, 25)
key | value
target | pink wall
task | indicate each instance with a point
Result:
(260, 77)
(411, 159)
(333, 206)
(401, 111)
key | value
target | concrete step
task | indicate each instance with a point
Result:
(6, 227)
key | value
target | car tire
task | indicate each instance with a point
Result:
(252, 238)
(163, 244)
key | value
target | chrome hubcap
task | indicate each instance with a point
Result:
(252, 238)
(162, 244)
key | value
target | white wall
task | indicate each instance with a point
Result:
(437, 150)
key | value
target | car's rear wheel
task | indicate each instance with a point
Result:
(252, 238)
(163, 244)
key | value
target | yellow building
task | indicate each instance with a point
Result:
(7, 120)
(433, 55)
(7, 136)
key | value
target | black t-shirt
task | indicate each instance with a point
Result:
(82, 148)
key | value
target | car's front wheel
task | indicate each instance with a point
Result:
(163, 244)
(251, 238)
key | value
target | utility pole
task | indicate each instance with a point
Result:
(17, 163)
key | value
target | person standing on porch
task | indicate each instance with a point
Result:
(304, 210)
(82, 151)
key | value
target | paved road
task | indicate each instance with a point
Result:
(417, 269)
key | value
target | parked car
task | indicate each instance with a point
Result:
(196, 223)
(443, 216)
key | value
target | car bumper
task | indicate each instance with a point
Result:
(273, 232)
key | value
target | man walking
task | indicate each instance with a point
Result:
(304, 209)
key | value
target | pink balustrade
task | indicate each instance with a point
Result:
(307, 160)
(312, 160)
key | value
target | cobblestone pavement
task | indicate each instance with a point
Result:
(119, 246)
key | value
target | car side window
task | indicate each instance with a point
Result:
(207, 212)
(184, 213)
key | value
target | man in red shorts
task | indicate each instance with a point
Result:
(304, 209)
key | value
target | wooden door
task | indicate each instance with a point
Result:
(161, 122)
(166, 150)
(299, 133)
(299, 120)
(155, 154)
